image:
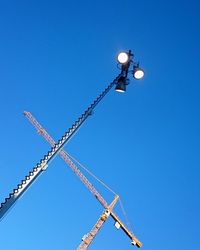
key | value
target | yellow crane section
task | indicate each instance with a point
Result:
(89, 237)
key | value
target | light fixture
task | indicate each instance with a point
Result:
(138, 73)
(123, 58)
(121, 84)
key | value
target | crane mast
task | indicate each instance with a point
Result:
(84, 180)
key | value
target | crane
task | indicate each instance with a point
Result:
(87, 183)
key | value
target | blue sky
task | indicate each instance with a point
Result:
(55, 58)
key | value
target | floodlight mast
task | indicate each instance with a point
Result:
(42, 165)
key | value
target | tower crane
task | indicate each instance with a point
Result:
(108, 208)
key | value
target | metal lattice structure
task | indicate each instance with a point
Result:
(38, 169)
(42, 131)
(88, 238)
(56, 148)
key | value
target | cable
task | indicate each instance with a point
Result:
(91, 174)
(125, 215)
(106, 186)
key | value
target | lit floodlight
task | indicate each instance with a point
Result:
(121, 85)
(123, 58)
(138, 73)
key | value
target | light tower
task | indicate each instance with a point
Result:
(125, 60)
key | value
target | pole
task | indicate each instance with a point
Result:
(43, 163)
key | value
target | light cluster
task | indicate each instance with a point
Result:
(125, 59)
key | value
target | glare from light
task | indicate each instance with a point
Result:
(123, 57)
(119, 90)
(138, 73)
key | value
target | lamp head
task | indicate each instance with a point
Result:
(121, 84)
(123, 57)
(138, 73)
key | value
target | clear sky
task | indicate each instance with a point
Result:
(55, 58)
